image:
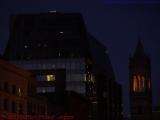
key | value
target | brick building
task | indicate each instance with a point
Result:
(17, 91)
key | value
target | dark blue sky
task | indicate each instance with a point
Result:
(115, 24)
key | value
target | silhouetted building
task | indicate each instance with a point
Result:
(140, 84)
(16, 90)
(48, 43)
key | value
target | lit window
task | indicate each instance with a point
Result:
(25, 46)
(50, 77)
(59, 54)
(85, 77)
(138, 83)
(19, 91)
(149, 83)
(142, 82)
(134, 84)
(92, 79)
(43, 91)
(61, 32)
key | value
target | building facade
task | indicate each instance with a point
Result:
(15, 91)
(46, 43)
(140, 85)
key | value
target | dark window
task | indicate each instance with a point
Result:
(6, 86)
(13, 106)
(5, 105)
(20, 109)
(0, 102)
(29, 108)
(0, 85)
(140, 110)
(42, 109)
(13, 89)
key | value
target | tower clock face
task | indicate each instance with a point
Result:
(138, 83)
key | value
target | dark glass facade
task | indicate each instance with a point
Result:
(49, 42)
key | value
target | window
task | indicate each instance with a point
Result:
(1, 87)
(5, 105)
(0, 102)
(20, 109)
(13, 89)
(85, 77)
(20, 92)
(13, 107)
(6, 86)
(59, 53)
(45, 45)
(140, 110)
(149, 84)
(138, 83)
(50, 77)
(39, 44)
(25, 46)
(45, 89)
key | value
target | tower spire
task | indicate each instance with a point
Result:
(140, 84)
(139, 51)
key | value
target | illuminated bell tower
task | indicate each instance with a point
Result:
(140, 85)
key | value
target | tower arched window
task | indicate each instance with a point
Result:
(138, 83)
(149, 84)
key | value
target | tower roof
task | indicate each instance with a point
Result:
(139, 51)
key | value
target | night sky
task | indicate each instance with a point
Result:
(115, 24)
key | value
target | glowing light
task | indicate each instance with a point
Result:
(25, 46)
(138, 83)
(59, 54)
(19, 92)
(53, 11)
(134, 84)
(149, 84)
(143, 82)
(43, 91)
(85, 77)
(50, 77)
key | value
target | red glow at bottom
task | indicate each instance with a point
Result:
(36, 117)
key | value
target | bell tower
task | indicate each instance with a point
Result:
(140, 84)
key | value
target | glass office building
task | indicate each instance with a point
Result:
(45, 43)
